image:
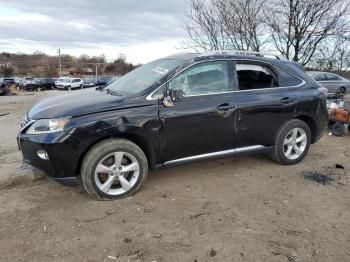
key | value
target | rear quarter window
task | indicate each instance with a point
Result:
(287, 79)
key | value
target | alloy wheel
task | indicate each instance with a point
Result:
(340, 93)
(295, 143)
(117, 173)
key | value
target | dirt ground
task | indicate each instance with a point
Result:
(245, 208)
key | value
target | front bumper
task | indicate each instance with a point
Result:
(63, 153)
(61, 87)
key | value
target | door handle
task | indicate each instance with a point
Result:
(226, 107)
(287, 100)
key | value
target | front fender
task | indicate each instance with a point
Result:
(140, 124)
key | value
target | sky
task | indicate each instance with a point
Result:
(143, 30)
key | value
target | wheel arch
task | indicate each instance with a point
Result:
(311, 123)
(136, 139)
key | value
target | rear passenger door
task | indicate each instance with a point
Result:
(266, 97)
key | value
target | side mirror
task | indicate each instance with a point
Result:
(173, 95)
(178, 95)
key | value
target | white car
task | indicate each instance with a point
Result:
(70, 83)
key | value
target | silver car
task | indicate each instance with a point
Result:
(337, 86)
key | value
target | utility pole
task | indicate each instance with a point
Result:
(59, 62)
(96, 65)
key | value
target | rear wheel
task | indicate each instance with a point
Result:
(340, 92)
(69, 88)
(292, 142)
(114, 168)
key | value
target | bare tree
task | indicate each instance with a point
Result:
(333, 55)
(243, 23)
(299, 26)
(203, 27)
(225, 24)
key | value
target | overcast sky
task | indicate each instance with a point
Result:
(143, 30)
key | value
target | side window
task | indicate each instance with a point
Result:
(201, 79)
(333, 77)
(255, 76)
(159, 93)
(320, 77)
(287, 79)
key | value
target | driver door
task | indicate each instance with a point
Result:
(203, 121)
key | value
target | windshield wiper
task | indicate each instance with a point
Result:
(111, 92)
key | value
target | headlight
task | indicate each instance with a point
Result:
(44, 126)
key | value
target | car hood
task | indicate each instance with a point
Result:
(82, 102)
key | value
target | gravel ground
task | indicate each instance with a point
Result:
(245, 208)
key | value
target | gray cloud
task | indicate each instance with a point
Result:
(90, 22)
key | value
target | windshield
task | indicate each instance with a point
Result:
(144, 76)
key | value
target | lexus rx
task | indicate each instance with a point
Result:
(171, 111)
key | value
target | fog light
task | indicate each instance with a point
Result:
(43, 154)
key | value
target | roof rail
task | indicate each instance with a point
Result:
(238, 52)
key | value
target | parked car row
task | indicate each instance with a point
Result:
(63, 83)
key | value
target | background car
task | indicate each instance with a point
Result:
(40, 84)
(337, 86)
(104, 80)
(8, 81)
(89, 82)
(25, 81)
(70, 83)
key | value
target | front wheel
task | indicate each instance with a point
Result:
(292, 142)
(113, 168)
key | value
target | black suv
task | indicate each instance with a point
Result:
(171, 111)
(39, 84)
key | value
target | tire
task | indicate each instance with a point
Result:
(340, 93)
(338, 129)
(286, 153)
(81, 87)
(69, 88)
(101, 156)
